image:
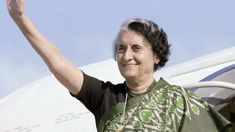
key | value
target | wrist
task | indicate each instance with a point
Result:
(19, 18)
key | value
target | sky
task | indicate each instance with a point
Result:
(84, 32)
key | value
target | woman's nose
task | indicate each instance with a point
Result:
(128, 55)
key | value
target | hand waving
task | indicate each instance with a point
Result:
(15, 8)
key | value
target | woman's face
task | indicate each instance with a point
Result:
(134, 56)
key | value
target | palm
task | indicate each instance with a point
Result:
(15, 7)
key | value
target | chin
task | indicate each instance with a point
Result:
(129, 76)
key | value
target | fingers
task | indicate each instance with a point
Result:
(8, 3)
(20, 6)
(15, 7)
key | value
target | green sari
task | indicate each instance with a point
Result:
(164, 108)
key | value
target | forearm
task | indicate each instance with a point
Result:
(39, 42)
(64, 71)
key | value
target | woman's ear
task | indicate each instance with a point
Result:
(156, 60)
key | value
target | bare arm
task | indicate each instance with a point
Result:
(67, 73)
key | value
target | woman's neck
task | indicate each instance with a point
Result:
(139, 86)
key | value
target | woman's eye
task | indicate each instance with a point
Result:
(136, 48)
(121, 49)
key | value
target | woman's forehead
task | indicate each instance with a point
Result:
(131, 37)
(125, 35)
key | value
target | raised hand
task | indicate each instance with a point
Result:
(15, 8)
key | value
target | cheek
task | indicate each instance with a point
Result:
(119, 60)
(142, 58)
(148, 61)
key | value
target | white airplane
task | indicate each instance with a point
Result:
(46, 106)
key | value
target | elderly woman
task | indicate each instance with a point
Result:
(140, 103)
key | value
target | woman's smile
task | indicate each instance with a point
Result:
(129, 65)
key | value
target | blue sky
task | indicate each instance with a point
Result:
(84, 31)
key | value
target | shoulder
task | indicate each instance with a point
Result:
(94, 83)
(172, 88)
(180, 94)
(114, 88)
